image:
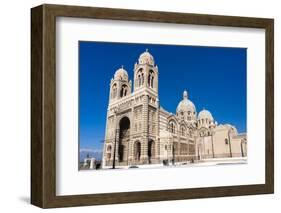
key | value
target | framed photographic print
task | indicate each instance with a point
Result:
(136, 106)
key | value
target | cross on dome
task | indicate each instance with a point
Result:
(186, 105)
(146, 58)
(185, 95)
(121, 74)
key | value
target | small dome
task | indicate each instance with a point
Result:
(205, 114)
(121, 74)
(186, 105)
(146, 58)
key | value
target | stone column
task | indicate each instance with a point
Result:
(146, 72)
(144, 144)
(157, 131)
(132, 132)
(116, 136)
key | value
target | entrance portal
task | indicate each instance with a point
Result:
(124, 136)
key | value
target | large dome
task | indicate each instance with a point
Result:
(121, 74)
(205, 114)
(146, 58)
(186, 105)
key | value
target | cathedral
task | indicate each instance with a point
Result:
(140, 131)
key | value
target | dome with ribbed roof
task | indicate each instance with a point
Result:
(121, 74)
(146, 58)
(205, 114)
(185, 105)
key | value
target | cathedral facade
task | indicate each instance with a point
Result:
(140, 131)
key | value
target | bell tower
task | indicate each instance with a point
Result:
(146, 91)
(146, 73)
(120, 86)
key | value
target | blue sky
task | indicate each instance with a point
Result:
(215, 78)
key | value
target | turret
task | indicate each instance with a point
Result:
(146, 73)
(120, 86)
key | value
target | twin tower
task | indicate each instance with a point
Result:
(132, 128)
(145, 76)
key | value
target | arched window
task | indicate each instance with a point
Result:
(150, 78)
(182, 131)
(139, 80)
(140, 77)
(124, 91)
(226, 141)
(114, 91)
(172, 127)
(109, 148)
